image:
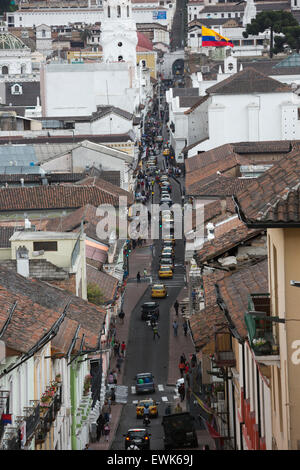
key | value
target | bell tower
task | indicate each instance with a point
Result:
(118, 32)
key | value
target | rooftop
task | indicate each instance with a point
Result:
(248, 81)
(234, 289)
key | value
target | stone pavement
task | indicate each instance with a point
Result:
(139, 259)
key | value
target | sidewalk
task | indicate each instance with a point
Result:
(178, 345)
(138, 260)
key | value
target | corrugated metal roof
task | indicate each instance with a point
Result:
(18, 155)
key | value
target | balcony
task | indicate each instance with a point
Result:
(48, 408)
(261, 329)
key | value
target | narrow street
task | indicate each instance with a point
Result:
(145, 354)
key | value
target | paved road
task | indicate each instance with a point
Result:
(178, 26)
(143, 353)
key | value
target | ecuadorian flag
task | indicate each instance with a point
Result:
(212, 38)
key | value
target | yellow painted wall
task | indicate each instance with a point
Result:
(284, 266)
(150, 58)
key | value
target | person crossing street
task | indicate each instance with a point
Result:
(155, 332)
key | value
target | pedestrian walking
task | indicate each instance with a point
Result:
(138, 277)
(106, 409)
(168, 410)
(145, 273)
(187, 367)
(100, 425)
(113, 396)
(119, 363)
(178, 408)
(121, 316)
(181, 391)
(155, 332)
(117, 348)
(115, 375)
(181, 368)
(185, 327)
(175, 327)
(176, 306)
(123, 348)
(193, 360)
(106, 431)
(110, 378)
(183, 358)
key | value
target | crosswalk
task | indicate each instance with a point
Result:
(166, 396)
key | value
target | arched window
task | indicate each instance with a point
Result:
(108, 11)
(4, 70)
(120, 58)
(23, 69)
(16, 89)
(127, 11)
(118, 11)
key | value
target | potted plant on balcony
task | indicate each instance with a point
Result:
(261, 346)
(58, 378)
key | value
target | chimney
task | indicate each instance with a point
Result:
(210, 231)
(27, 224)
(22, 261)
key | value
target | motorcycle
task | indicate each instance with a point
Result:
(146, 421)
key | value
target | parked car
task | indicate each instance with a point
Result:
(144, 382)
(148, 309)
(138, 437)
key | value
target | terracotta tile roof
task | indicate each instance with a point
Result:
(273, 197)
(106, 186)
(228, 234)
(96, 254)
(217, 154)
(54, 197)
(107, 284)
(39, 305)
(234, 289)
(201, 170)
(248, 81)
(72, 221)
(193, 177)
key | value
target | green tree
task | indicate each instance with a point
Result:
(85, 34)
(7, 5)
(275, 21)
(94, 294)
(291, 38)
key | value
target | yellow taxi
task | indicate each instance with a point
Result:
(165, 271)
(171, 240)
(159, 291)
(153, 411)
(166, 152)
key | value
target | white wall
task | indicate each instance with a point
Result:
(276, 115)
(109, 124)
(84, 86)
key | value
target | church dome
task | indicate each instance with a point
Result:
(9, 41)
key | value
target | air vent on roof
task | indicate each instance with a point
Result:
(205, 68)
